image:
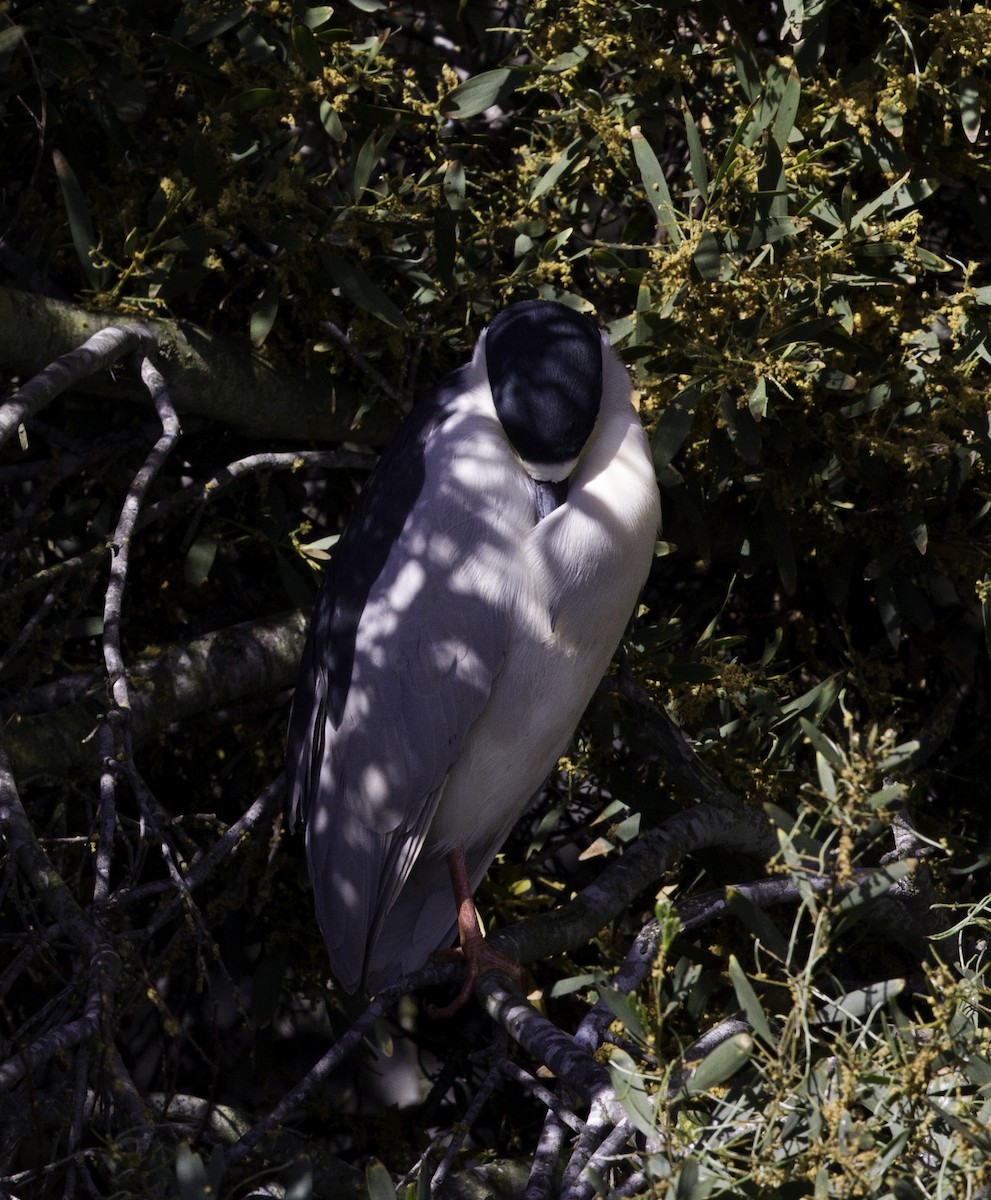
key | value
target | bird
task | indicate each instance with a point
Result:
(469, 610)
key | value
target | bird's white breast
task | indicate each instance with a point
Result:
(570, 582)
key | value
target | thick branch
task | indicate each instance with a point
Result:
(212, 672)
(216, 377)
(576, 923)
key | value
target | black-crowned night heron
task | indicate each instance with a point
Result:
(469, 610)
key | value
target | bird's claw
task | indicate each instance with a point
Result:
(479, 957)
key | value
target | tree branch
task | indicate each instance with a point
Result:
(217, 377)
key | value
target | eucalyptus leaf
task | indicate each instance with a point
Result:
(757, 921)
(969, 100)
(696, 153)
(263, 314)
(674, 425)
(877, 884)
(719, 1064)
(621, 1008)
(748, 1001)
(199, 560)
(361, 290)
(378, 1181)
(10, 37)
(80, 223)
(631, 1091)
(482, 91)
(655, 185)
(859, 1003)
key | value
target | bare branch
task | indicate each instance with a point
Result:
(100, 351)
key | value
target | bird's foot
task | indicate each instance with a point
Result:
(479, 957)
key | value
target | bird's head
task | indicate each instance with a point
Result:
(544, 365)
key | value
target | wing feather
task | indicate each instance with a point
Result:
(409, 632)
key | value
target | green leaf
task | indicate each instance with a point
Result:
(317, 15)
(621, 1008)
(747, 71)
(757, 921)
(378, 1181)
(748, 1001)
(823, 745)
(827, 781)
(368, 158)
(784, 117)
(719, 1064)
(631, 1091)
(708, 258)
(80, 224)
(696, 154)
(877, 884)
(252, 99)
(802, 332)
(299, 1180)
(481, 91)
(655, 185)
(263, 314)
(361, 290)
(673, 427)
(859, 1003)
(191, 1175)
(932, 262)
(10, 37)
(743, 430)
(691, 1183)
(331, 121)
(969, 99)
(199, 560)
(795, 16)
(729, 157)
(561, 166)
(307, 48)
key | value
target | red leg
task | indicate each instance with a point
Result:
(473, 948)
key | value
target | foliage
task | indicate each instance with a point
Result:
(780, 213)
(838, 1089)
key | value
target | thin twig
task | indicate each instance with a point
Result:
(373, 373)
(100, 351)
(465, 1125)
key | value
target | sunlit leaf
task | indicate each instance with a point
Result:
(696, 154)
(655, 184)
(878, 883)
(199, 560)
(482, 91)
(631, 1091)
(720, 1064)
(621, 1008)
(263, 313)
(969, 98)
(859, 1003)
(748, 1001)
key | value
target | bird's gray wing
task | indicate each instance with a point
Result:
(399, 662)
